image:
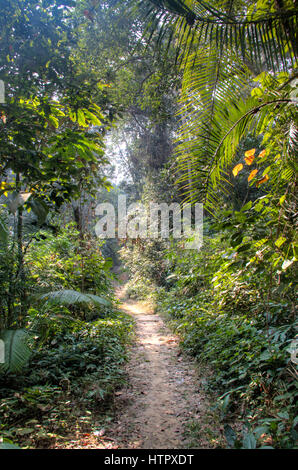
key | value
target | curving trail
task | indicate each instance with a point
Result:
(164, 390)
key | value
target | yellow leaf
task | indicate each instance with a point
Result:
(261, 181)
(249, 153)
(262, 154)
(237, 168)
(252, 175)
(249, 160)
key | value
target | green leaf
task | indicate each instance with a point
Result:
(81, 118)
(230, 435)
(40, 209)
(247, 206)
(72, 297)
(17, 351)
(283, 415)
(249, 441)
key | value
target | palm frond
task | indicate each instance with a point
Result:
(221, 51)
(252, 31)
(209, 93)
(8, 445)
(205, 158)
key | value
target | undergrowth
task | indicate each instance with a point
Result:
(69, 383)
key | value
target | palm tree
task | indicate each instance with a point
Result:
(239, 63)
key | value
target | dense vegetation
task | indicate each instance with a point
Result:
(65, 341)
(182, 101)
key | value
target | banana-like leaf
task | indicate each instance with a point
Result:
(72, 297)
(17, 351)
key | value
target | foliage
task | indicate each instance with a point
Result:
(234, 309)
(69, 71)
(79, 363)
(142, 87)
(49, 105)
(17, 351)
(11, 285)
(71, 297)
(51, 132)
(144, 258)
(225, 50)
(62, 266)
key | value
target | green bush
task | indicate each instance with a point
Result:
(232, 304)
(77, 361)
(64, 261)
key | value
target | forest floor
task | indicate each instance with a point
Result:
(163, 405)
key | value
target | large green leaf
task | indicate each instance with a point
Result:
(72, 297)
(249, 441)
(230, 435)
(17, 351)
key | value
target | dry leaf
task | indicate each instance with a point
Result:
(237, 168)
(249, 160)
(252, 175)
(250, 152)
(249, 156)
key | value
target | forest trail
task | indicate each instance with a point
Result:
(163, 392)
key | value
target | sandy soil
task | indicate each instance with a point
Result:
(164, 392)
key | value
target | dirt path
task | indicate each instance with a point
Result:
(164, 393)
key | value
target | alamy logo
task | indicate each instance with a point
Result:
(155, 220)
(2, 352)
(2, 92)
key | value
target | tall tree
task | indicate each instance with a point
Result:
(141, 85)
